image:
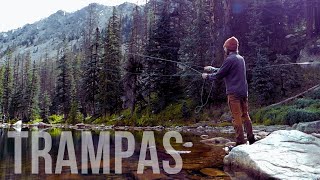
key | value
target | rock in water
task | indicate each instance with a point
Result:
(204, 136)
(309, 127)
(188, 144)
(212, 172)
(281, 155)
(216, 141)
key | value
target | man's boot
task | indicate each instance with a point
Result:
(248, 127)
(239, 135)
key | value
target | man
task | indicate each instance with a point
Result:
(233, 71)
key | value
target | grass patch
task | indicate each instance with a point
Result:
(55, 119)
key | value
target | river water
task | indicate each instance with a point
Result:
(200, 161)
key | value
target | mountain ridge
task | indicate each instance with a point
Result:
(46, 35)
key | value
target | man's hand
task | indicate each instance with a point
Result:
(210, 68)
(205, 75)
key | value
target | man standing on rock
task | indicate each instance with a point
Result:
(233, 71)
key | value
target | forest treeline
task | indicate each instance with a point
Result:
(154, 74)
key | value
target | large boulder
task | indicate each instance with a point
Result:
(281, 155)
(309, 127)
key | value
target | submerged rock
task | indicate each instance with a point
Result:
(41, 125)
(204, 136)
(281, 155)
(309, 127)
(213, 172)
(148, 174)
(216, 141)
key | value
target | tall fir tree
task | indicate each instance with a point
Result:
(133, 65)
(34, 86)
(261, 81)
(63, 89)
(110, 75)
(7, 86)
(162, 84)
(91, 75)
(16, 102)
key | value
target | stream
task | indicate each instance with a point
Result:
(200, 161)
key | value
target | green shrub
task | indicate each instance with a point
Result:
(302, 115)
(268, 122)
(145, 120)
(35, 121)
(55, 119)
(271, 116)
(303, 103)
(316, 94)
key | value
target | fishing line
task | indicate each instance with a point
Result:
(167, 60)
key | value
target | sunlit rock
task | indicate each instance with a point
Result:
(281, 155)
(309, 127)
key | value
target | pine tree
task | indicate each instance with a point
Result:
(63, 89)
(262, 82)
(26, 86)
(197, 46)
(91, 76)
(89, 67)
(110, 76)
(274, 26)
(2, 69)
(34, 86)
(133, 65)
(161, 84)
(7, 86)
(45, 107)
(16, 108)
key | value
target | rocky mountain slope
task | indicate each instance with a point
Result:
(46, 36)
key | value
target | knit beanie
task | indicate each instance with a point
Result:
(231, 44)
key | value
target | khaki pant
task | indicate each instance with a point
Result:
(240, 113)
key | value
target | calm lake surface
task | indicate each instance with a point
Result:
(203, 161)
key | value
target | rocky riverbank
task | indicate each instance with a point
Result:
(284, 154)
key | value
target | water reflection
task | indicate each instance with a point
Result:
(203, 162)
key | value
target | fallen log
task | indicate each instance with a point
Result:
(296, 96)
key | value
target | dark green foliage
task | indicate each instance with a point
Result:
(302, 115)
(91, 75)
(285, 79)
(45, 107)
(110, 75)
(63, 89)
(262, 82)
(161, 87)
(87, 83)
(301, 110)
(316, 94)
(6, 87)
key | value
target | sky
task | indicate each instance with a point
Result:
(17, 13)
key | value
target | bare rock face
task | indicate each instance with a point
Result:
(281, 155)
(309, 127)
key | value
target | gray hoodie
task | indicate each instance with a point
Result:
(233, 71)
